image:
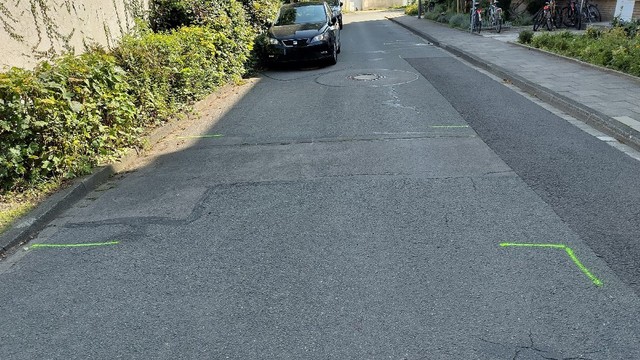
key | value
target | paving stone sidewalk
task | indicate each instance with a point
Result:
(606, 99)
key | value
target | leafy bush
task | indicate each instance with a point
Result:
(437, 11)
(612, 48)
(460, 21)
(593, 32)
(166, 15)
(411, 9)
(444, 17)
(261, 11)
(60, 119)
(525, 36)
(630, 27)
(67, 115)
(170, 70)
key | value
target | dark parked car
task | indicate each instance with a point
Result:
(304, 31)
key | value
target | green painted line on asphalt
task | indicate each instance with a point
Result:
(206, 136)
(569, 252)
(449, 126)
(37, 246)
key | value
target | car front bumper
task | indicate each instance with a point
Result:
(311, 52)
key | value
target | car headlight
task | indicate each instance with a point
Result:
(322, 37)
(273, 41)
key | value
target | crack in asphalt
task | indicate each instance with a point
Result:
(344, 140)
(544, 354)
(140, 223)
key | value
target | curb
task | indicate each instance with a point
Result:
(28, 226)
(595, 118)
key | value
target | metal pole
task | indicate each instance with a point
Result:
(419, 8)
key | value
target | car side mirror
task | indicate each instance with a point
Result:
(341, 4)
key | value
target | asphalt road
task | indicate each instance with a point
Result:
(348, 212)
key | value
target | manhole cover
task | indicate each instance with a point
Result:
(365, 77)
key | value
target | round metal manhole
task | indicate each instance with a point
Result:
(367, 77)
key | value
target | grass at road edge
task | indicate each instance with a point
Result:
(11, 211)
(14, 205)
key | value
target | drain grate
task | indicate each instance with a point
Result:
(366, 77)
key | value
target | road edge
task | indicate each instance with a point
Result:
(28, 226)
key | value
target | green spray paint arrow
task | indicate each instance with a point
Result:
(36, 246)
(569, 252)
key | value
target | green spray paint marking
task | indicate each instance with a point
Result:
(449, 126)
(36, 246)
(207, 136)
(569, 252)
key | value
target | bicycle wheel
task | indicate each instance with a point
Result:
(476, 25)
(537, 20)
(547, 21)
(568, 17)
(585, 18)
(557, 20)
(594, 13)
(499, 24)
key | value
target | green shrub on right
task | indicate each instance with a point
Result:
(411, 9)
(614, 48)
(460, 21)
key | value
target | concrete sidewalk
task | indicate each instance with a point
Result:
(603, 98)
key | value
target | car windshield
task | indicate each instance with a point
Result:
(291, 15)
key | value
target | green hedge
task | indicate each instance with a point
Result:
(170, 70)
(69, 114)
(412, 9)
(61, 118)
(615, 48)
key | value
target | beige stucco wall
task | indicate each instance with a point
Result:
(381, 4)
(31, 30)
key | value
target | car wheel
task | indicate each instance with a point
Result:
(334, 55)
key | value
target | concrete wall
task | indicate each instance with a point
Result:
(608, 7)
(31, 30)
(381, 4)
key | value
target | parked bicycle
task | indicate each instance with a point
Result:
(495, 16)
(576, 15)
(475, 25)
(589, 13)
(569, 14)
(549, 16)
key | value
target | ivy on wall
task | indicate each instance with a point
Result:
(6, 19)
(42, 14)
